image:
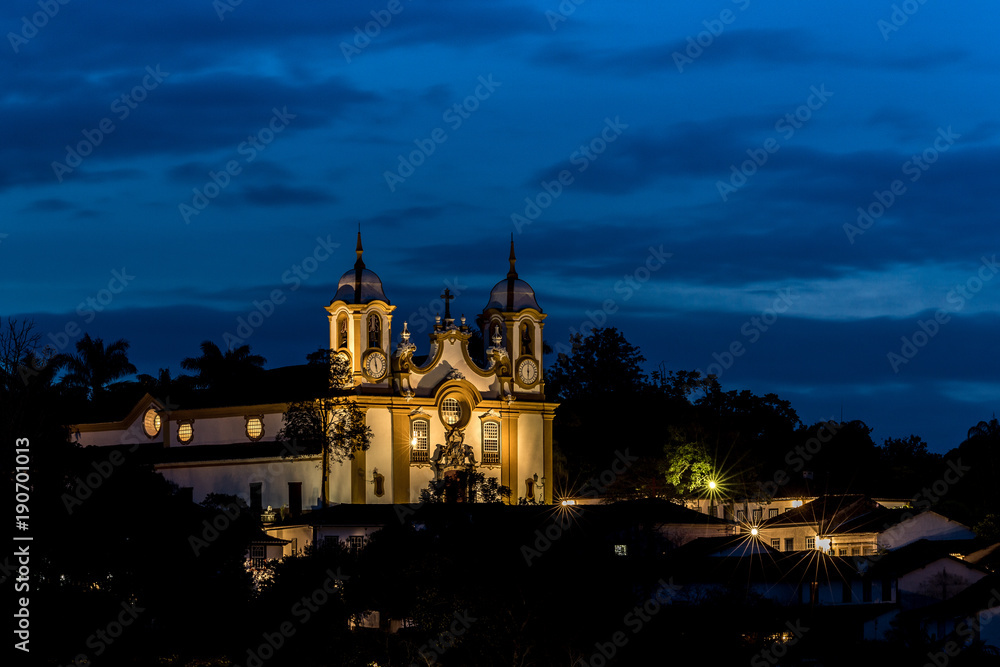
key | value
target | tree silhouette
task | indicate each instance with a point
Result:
(332, 424)
(229, 373)
(95, 366)
(602, 363)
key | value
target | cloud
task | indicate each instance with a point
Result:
(281, 195)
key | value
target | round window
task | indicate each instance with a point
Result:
(451, 411)
(151, 422)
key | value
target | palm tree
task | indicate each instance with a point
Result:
(223, 372)
(95, 367)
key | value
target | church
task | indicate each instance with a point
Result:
(430, 414)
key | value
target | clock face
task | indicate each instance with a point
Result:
(375, 365)
(527, 371)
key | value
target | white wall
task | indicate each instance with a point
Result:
(234, 477)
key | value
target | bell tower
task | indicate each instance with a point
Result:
(513, 320)
(361, 323)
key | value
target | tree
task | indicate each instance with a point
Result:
(332, 424)
(688, 467)
(224, 373)
(602, 363)
(95, 366)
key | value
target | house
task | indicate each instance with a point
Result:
(855, 525)
(430, 414)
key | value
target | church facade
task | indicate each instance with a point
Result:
(430, 414)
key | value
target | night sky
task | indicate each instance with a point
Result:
(693, 175)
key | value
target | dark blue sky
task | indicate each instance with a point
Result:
(739, 138)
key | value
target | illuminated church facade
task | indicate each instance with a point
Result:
(430, 415)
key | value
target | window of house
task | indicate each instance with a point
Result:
(451, 411)
(757, 516)
(810, 543)
(529, 488)
(185, 431)
(419, 440)
(741, 516)
(855, 551)
(789, 544)
(355, 542)
(257, 551)
(330, 541)
(842, 552)
(255, 428)
(491, 443)
(776, 543)
(151, 422)
(869, 551)
(621, 550)
(772, 512)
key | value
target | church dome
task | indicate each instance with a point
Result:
(512, 294)
(362, 286)
(359, 285)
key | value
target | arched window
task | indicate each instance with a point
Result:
(374, 331)
(491, 443)
(419, 440)
(526, 338)
(342, 331)
(451, 411)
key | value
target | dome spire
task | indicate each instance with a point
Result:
(360, 264)
(513, 260)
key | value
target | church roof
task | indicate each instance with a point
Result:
(512, 294)
(360, 284)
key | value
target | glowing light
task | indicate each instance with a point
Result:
(754, 532)
(823, 543)
(413, 442)
(796, 503)
(567, 503)
(712, 485)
